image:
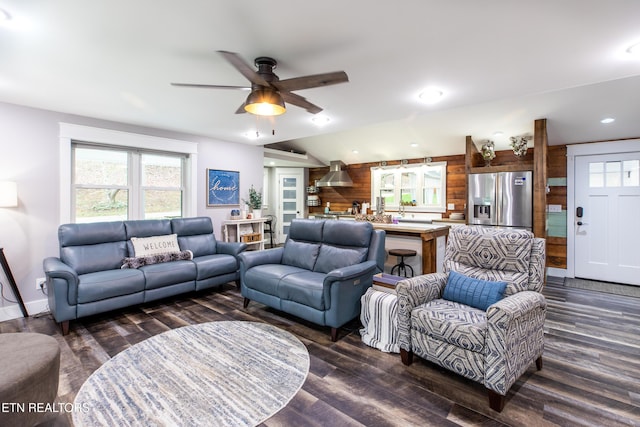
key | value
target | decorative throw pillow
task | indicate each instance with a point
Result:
(473, 292)
(137, 262)
(145, 246)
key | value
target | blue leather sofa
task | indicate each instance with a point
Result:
(88, 279)
(321, 272)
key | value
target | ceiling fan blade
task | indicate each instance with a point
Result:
(300, 101)
(241, 109)
(244, 68)
(201, 86)
(316, 80)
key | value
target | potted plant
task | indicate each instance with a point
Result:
(488, 152)
(254, 202)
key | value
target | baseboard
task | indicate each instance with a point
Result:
(33, 308)
(556, 272)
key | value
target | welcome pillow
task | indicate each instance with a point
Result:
(154, 245)
(473, 292)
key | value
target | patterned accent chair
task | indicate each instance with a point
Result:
(493, 347)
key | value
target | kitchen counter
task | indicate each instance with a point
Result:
(429, 234)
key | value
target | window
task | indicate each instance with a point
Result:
(114, 183)
(614, 174)
(420, 187)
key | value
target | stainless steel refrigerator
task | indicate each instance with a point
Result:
(501, 199)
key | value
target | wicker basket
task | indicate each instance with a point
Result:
(250, 238)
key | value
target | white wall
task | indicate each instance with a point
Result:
(29, 156)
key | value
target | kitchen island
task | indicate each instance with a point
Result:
(427, 239)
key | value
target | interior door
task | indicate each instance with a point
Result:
(607, 233)
(290, 203)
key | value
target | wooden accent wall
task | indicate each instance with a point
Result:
(342, 198)
(557, 168)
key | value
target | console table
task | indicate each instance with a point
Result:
(249, 231)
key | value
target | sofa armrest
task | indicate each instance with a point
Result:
(515, 332)
(350, 272)
(411, 293)
(230, 248)
(65, 287)
(252, 258)
(54, 268)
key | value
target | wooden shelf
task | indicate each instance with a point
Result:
(502, 168)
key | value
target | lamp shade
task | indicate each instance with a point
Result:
(8, 194)
(264, 102)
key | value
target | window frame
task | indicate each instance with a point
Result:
(72, 133)
(397, 171)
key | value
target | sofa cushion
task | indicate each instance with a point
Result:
(474, 292)
(452, 322)
(146, 246)
(300, 254)
(195, 234)
(109, 284)
(332, 257)
(266, 278)
(215, 265)
(170, 273)
(304, 287)
(94, 258)
(347, 233)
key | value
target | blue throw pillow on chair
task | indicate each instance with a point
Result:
(473, 292)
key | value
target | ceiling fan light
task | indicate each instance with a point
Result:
(264, 102)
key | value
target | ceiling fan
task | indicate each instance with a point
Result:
(268, 92)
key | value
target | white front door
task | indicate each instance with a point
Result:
(607, 210)
(290, 203)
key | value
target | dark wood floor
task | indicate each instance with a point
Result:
(591, 372)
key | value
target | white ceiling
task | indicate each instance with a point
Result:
(501, 64)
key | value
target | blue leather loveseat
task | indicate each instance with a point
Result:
(321, 272)
(89, 278)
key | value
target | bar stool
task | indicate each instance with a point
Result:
(401, 266)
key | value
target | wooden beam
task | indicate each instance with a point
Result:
(540, 144)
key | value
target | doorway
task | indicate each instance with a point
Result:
(290, 199)
(603, 219)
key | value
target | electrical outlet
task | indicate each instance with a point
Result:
(554, 208)
(451, 206)
(40, 282)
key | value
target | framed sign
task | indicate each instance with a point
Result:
(223, 187)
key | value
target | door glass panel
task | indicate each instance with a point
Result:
(289, 218)
(631, 173)
(596, 175)
(289, 182)
(289, 194)
(289, 206)
(613, 170)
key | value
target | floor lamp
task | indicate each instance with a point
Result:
(9, 199)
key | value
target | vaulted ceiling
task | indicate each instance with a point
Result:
(500, 65)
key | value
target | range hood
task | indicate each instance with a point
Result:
(336, 176)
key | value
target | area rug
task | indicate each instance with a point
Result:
(214, 374)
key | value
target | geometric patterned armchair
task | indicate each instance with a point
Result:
(494, 346)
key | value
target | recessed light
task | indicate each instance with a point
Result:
(607, 120)
(320, 120)
(498, 133)
(414, 144)
(430, 95)
(354, 151)
(272, 163)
